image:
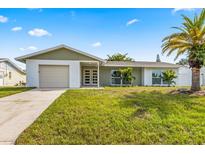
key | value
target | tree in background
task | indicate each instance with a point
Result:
(189, 40)
(119, 57)
(183, 61)
(158, 58)
(126, 76)
(168, 77)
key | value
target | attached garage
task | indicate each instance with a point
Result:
(58, 67)
(53, 76)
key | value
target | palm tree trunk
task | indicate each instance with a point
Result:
(195, 79)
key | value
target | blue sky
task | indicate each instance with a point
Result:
(137, 32)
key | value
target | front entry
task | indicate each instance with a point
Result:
(90, 77)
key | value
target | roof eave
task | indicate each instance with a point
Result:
(14, 65)
(141, 66)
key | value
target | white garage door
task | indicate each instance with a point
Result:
(53, 76)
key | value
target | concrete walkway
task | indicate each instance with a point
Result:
(19, 111)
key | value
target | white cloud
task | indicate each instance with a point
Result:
(96, 44)
(15, 29)
(182, 9)
(3, 19)
(39, 32)
(130, 22)
(22, 49)
(30, 48)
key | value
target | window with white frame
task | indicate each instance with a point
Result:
(156, 77)
(115, 77)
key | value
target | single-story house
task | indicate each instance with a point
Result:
(10, 73)
(63, 66)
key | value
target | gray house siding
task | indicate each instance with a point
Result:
(62, 54)
(105, 75)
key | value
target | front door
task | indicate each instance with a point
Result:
(90, 77)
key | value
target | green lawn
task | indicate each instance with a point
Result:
(6, 91)
(135, 115)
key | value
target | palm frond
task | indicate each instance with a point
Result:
(181, 52)
(191, 35)
(201, 18)
(188, 21)
(173, 36)
(182, 29)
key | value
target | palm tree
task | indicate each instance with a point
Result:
(189, 40)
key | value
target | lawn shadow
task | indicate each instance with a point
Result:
(163, 104)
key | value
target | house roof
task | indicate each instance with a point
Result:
(140, 64)
(13, 64)
(23, 58)
(104, 62)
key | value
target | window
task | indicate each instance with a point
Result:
(115, 77)
(9, 75)
(164, 82)
(156, 77)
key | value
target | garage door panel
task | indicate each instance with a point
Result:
(53, 76)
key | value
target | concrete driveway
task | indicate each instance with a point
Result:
(19, 111)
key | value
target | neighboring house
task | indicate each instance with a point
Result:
(63, 66)
(10, 73)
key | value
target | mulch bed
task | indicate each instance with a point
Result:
(188, 92)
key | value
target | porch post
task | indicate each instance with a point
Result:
(98, 75)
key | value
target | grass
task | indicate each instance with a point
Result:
(6, 91)
(135, 115)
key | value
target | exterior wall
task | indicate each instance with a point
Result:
(62, 54)
(16, 75)
(148, 75)
(202, 81)
(185, 76)
(142, 76)
(32, 67)
(105, 75)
